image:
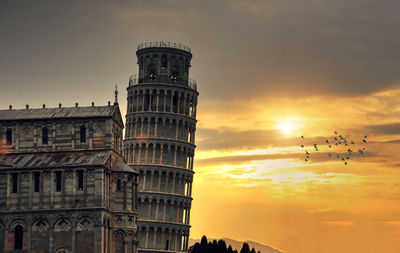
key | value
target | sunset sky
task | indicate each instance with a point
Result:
(268, 72)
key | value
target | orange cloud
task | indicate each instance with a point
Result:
(338, 223)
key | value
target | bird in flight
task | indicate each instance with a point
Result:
(340, 141)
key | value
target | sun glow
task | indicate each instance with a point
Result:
(286, 127)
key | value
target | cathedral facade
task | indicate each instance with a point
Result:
(64, 184)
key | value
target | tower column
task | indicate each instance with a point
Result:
(151, 180)
(165, 210)
(158, 202)
(141, 127)
(172, 103)
(184, 104)
(145, 154)
(149, 211)
(154, 154)
(147, 238)
(175, 151)
(155, 127)
(161, 154)
(159, 181)
(173, 183)
(135, 128)
(178, 104)
(158, 100)
(140, 154)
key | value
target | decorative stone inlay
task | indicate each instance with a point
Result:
(27, 130)
(68, 174)
(119, 221)
(130, 220)
(62, 250)
(91, 173)
(84, 225)
(62, 225)
(46, 175)
(25, 177)
(99, 126)
(3, 178)
(40, 226)
(63, 128)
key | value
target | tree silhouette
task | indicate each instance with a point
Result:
(196, 248)
(203, 244)
(204, 241)
(221, 247)
(218, 247)
(245, 248)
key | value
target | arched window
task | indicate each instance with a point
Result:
(146, 101)
(36, 181)
(18, 237)
(58, 181)
(141, 63)
(119, 243)
(175, 104)
(118, 185)
(152, 71)
(80, 180)
(83, 134)
(14, 183)
(186, 66)
(175, 73)
(164, 62)
(45, 135)
(9, 136)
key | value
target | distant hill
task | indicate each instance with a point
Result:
(238, 245)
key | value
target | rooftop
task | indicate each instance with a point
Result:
(60, 160)
(164, 44)
(57, 113)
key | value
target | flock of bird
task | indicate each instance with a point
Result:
(348, 146)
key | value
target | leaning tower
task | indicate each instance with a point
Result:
(159, 144)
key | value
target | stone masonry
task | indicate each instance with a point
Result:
(64, 184)
(160, 143)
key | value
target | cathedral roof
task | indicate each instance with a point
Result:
(58, 113)
(62, 160)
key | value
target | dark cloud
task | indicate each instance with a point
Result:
(384, 129)
(241, 48)
(231, 138)
(316, 157)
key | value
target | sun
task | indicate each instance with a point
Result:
(286, 127)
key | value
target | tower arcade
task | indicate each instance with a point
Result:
(160, 142)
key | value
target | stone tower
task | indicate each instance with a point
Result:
(159, 144)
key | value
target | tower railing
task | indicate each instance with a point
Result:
(134, 80)
(164, 44)
(192, 84)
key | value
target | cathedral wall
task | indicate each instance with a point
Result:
(55, 199)
(45, 232)
(59, 135)
(68, 195)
